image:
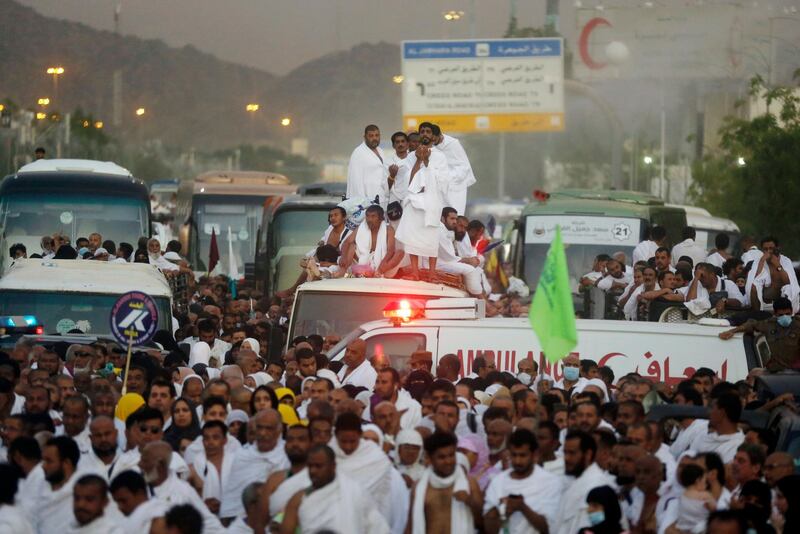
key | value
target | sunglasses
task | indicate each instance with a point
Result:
(151, 429)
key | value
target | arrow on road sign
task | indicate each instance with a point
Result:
(135, 318)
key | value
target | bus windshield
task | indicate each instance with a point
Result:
(218, 214)
(62, 312)
(299, 228)
(584, 237)
(27, 217)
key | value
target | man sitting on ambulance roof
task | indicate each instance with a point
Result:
(705, 284)
(449, 262)
(370, 250)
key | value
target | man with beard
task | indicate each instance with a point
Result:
(104, 450)
(370, 250)
(387, 388)
(448, 259)
(53, 510)
(445, 498)
(393, 161)
(579, 461)
(168, 488)
(89, 500)
(332, 503)
(624, 470)
(366, 175)
(527, 495)
(425, 177)
(282, 485)
(497, 432)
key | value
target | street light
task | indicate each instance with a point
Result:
(452, 15)
(55, 71)
(740, 161)
(85, 124)
(648, 160)
(286, 121)
(43, 101)
(98, 124)
(140, 112)
(252, 107)
(41, 115)
(398, 79)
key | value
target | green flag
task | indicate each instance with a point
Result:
(552, 314)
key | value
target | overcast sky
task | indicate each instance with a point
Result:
(278, 36)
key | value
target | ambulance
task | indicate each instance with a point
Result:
(662, 352)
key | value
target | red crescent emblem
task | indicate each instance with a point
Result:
(583, 42)
(605, 359)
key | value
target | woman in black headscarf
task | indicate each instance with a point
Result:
(604, 512)
(185, 426)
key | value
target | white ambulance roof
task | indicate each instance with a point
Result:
(84, 276)
(381, 285)
(75, 165)
(582, 325)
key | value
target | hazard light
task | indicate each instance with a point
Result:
(402, 311)
(20, 324)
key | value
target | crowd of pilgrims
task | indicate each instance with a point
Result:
(220, 429)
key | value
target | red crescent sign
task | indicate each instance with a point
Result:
(583, 42)
(605, 359)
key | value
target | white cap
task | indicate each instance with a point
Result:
(172, 256)
(330, 375)
(408, 437)
(100, 251)
(491, 390)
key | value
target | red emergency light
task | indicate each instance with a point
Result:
(402, 311)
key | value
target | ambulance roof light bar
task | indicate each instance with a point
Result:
(405, 310)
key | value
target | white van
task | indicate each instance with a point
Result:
(79, 294)
(337, 306)
(664, 352)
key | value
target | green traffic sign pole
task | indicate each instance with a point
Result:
(127, 364)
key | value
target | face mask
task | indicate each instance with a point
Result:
(571, 373)
(785, 320)
(595, 518)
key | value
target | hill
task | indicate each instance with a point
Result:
(194, 99)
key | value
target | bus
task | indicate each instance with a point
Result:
(707, 227)
(592, 223)
(290, 229)
(225, 203)
(75, 198)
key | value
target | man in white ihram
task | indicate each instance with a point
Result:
(370, 250)
(366, 173)
(461, 175)
(427, 175)
(450, 262)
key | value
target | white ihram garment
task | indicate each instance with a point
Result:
(370, 468)
(249, 465)
(573, 513)
(449, 262)
(13, 519)
(688, 247)
(286, 490)
(764, 279)
(541, 492)
(366, 174)
(365, 255)
(174, 491)
(342, 506)
(461, 519)
(422, 209)
(140, 521)
(364, 375)
(460, 172)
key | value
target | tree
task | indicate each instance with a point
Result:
(754, 177)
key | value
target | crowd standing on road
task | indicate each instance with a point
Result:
(223, 429)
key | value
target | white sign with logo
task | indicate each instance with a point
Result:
(583, 230)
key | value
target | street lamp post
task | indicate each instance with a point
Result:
(251, 110)
(55, 72)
